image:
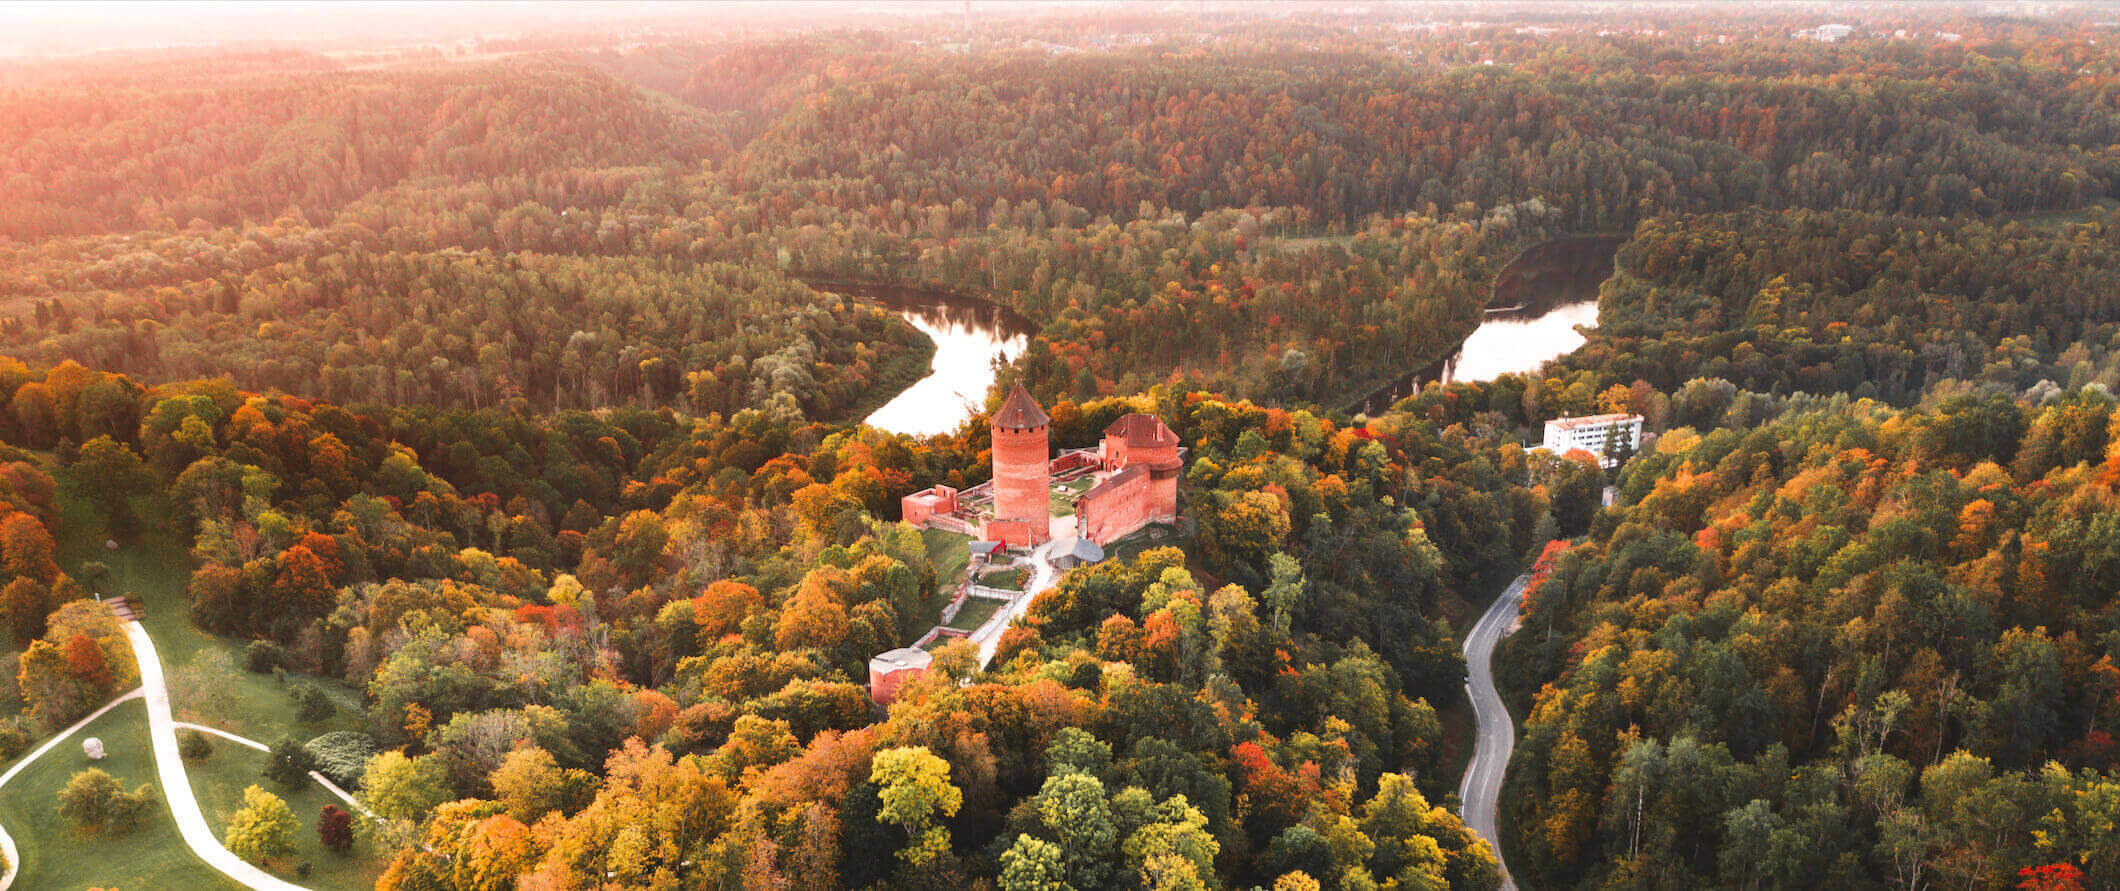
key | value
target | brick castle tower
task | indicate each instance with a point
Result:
(1139, 439)
(1023, 512)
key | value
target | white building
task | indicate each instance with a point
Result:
(1591, 433)
(1825, 33)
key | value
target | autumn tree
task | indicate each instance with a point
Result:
(335, 829)
(95, 803)
(113, 475)
(916, 791)
(263, 830)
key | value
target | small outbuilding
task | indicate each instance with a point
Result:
(890, 670)
(1080, 551)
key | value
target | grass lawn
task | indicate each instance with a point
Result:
(1149, 537)
(54, 856)
(153, 566)
(219, 782)
(975, 613)
(948, 552)
(1063, 495)
(1007, 578)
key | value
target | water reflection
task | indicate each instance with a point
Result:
(970, 336)
(1539, 300)
(1502, 345)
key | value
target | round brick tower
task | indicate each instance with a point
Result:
(1023, 513)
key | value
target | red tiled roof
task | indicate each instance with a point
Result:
(1020, 411)
(1141, 430)
(1116, 480)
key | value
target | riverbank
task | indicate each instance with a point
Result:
(1544, 292)
(898, 374)
(967, 336)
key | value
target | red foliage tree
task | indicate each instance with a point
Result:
(84, 660)
(335, 829)
(2051, 877)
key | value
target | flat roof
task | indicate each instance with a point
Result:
(903, 657)
(1588, 420)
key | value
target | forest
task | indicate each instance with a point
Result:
(473, 412)
(1850, 645)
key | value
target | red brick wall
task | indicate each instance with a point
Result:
(1017, 533)
(883, 688)
(1163, 498)
(917, 510)
(1021, 489)
(1115, 454)
(1106, 516)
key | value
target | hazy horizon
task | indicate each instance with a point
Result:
(59, 29)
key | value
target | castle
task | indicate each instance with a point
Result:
(1129, 481)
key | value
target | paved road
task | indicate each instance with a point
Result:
(7, 843)
(1479, 795)
(176, 785)
(1043, 576)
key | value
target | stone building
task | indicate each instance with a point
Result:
(1143, 457)
(1023, 510)
(889, 671)
(1133, 481)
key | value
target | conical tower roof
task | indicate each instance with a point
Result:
(1020, 411)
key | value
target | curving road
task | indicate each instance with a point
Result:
(1479, 795)
(7, 842)
(176, 784)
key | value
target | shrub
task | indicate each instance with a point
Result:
(335, 829)
(262, 656)
(94, 802)
(342, 755)
(263, 829)
(12, 739)
(193, 745)
(312, 705)
(95, 574)
(289, 762)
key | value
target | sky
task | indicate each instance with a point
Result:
(39, 27)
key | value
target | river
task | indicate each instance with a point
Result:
(970, 336)
(1539, 300)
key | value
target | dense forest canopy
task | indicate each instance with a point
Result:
(481, 388)
(1103, 193)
